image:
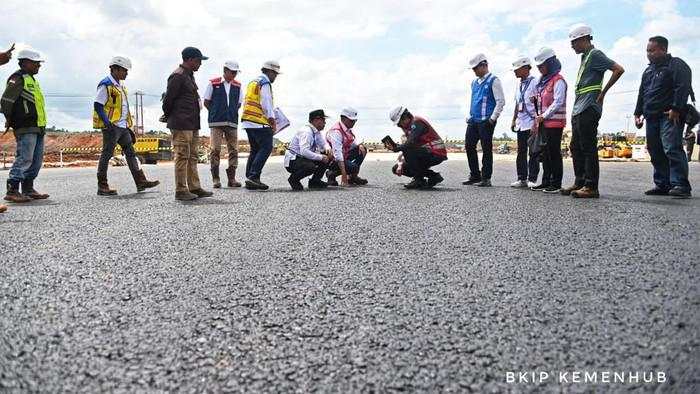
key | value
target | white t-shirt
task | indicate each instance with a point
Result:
(102, 98)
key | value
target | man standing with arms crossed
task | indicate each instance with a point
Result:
(588, 108)
(258, 119)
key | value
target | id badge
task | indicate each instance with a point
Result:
(520, 107)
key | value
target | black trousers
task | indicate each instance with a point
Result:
(418, 161)
(527, 163)
(479, 132)
(301, 167)
(552, 162)
(584, 147)
(110, 139)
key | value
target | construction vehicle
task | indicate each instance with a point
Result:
(614, 145)
(151, 149)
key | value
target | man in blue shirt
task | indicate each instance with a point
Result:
(662, 100)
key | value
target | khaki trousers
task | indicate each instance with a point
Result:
(217, 135)
(185, 144)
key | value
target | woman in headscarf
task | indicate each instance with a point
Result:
(551, 118)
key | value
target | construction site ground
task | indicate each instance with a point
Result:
(365, 289)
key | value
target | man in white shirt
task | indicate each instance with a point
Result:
(308, 153)
(523, 120)
(258, 120)
(223, 98)
(487, 101)
(111, 114)
(348, 155)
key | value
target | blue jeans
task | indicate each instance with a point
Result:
(28, 158)
(665, 144)
(260, 141)
(479, 131)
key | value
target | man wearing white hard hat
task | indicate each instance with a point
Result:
(487, 101)
(421, 149)
(112, 115)
(526, 162)
(588, 108)
(258, 119)
(223, 98)
(551, 119)
(348, 155)
(23, 107)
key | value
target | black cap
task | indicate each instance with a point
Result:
(192, 53)
(318, 113)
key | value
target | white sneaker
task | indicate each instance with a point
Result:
(531, 184)
(518, 184)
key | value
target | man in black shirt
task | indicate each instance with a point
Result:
(662, 100)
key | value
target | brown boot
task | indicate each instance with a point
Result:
(28, 190)
(141, 182)
(585, 192)
(567, 191)
(13, 194)
(231, 175)
(3, 208)
(103, 187)
(215, 177)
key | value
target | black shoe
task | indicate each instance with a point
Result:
(540, 187)
(552, 189)
(484, 183)
(317, 184)
(201, 193)
(255, 184)
(330, 176)
(295, 184)
(434, 179)
(416, 183)
(656, 191)
(471, 181)
(356, 180)
(679, 192)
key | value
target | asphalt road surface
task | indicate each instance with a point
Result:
(371, 289)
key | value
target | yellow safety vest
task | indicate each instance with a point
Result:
(32, 93)
(586, 89)
(113, 106)
(252, 105)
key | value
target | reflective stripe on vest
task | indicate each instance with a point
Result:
(116, 98)
(586, 89)
(252, 105)
(546, 98)
(32, 93)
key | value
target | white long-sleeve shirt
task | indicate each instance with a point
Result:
(307, 142)
(559, 98)
(525, 108)
(498, 95)
(336, 139)
(266, 103)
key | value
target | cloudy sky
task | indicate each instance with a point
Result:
(372, 55)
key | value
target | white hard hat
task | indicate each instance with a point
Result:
(232, 65)
(121, 61)
(544, 54)
(521, 62)
(29, 55)
(476, 60)
(272, 65)
(395, 114)
(349, 112)
(580, 30)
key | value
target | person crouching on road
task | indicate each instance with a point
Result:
(551, 118)
(112, 115)
(348, 155)
(422, 149)
(181, 110)
(308, 154)
(23, 107)
(223, 98)
(527, 162)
